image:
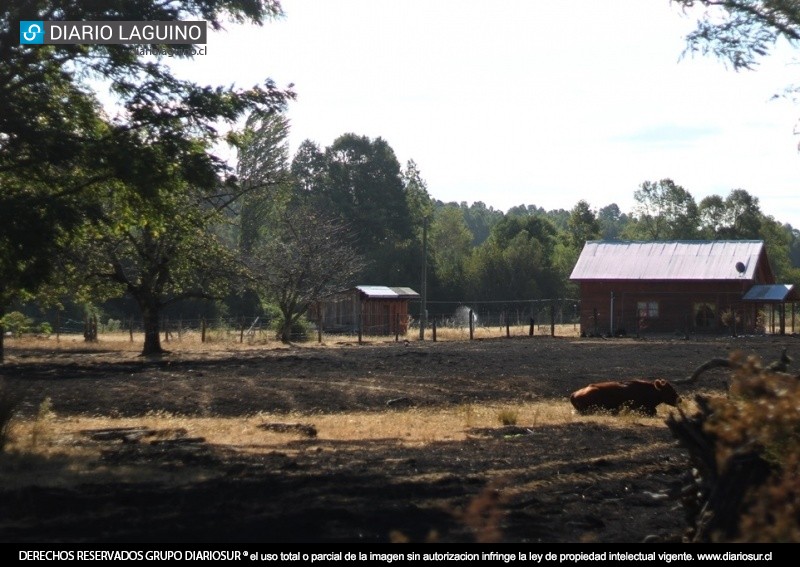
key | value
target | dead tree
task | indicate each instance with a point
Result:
(713, 500)
(780, 366)
(722, 476)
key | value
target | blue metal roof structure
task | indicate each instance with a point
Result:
(777, 293)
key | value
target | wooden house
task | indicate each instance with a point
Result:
(678, 286)
(374, 309)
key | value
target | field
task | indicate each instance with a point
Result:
(448, 441)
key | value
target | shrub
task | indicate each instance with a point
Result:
(17, 323)
(745, 450)
(508, 416)
(112, 326)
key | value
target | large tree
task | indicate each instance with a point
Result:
(516, 261)
(263, 171)
(59, 151)
(159, 251)
(305, 257)
(450, 245)
(741, 31)
(359, 180)
(737, 216)
(664, 211)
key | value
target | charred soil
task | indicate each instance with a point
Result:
(581, 480)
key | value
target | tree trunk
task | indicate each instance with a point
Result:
(286, 331)
(150, 320)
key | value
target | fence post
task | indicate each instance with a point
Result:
(530, 330)
(360, 325)
(508, 328)
(166, 329)
(433, 329)
(320, 319)
(471, 326)
(241, 330)
(130, 329)
(58, 325)
(553, 318)
(396, 327)
(203, 330)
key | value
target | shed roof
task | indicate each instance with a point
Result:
(384, 292)
(669, 260)
(770, 293)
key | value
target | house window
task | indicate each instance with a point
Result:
(704, 315)
(647, 309)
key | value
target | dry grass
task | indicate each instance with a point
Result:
(48, 444)
(190, 341)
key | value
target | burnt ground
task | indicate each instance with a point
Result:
(580, 481)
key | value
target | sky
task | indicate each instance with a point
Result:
(526, 101)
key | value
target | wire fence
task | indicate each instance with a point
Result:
(443, 320)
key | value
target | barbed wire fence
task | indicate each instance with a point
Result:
(445, 320)
(535, 316)
(467, 319)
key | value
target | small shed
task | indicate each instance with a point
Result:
(676, 286)
(374, 309)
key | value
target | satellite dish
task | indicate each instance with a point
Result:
(740, 267)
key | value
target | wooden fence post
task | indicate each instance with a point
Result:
(553, 318)
(471, 326)
(396, 327)
(58, 325)
(508, 328)
(130, 329)
(203, 330)
(241, 330)
(530, 329)
(166, 329)
(433, 329)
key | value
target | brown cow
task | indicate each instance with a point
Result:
(636, 395)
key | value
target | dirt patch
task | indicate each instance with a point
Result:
(577, 480)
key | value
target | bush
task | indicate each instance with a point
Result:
(300, 329)
(745, 451)
(507, 417)
(112, 326)
(17, 324)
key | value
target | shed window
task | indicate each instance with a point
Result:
(647, 309)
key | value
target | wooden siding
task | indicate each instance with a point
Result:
(376, 316)
(670, 306)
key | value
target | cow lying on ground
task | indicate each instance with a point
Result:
(635, 395)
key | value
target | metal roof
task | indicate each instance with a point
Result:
(384, 292)
(775, 292)
(668, 260)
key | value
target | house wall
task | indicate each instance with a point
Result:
(668, 306)
(380, 316)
